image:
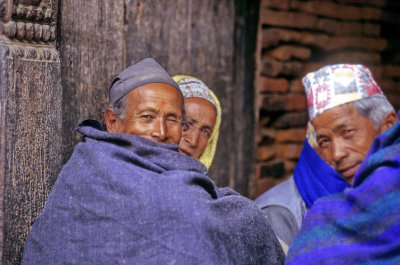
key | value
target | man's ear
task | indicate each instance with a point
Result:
(113, 123)
(388, 120)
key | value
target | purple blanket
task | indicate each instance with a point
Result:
(123, 199)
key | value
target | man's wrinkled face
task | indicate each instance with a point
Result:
(200, 117)
(153, 111)
(344, 137)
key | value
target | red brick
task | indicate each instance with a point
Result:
(296, 85)
(272, 103)
(389, 85)
(288, 19)
(272, 37)
(337, 43)
(265, 184)
(273, 68)
(371, 29)
(377, 71)
(265, 153)
(267, 134)
(328, 9)
(279, 85)
(284, 102)
(296, 102)
(264, 121)
(370, 13)
(287, 52)
(291, 119)
(275, 4)
(289, 166)
(272, 169)
(339, 28)
(328, 25)
(354, 57)
(311, 67)
(349, 12)
(289, 151)
(291, 135)
(292, 69)
(392, 71)
(314, 39)
(378, 3)
(350, 28)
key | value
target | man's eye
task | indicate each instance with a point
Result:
(206, 132)
(348, 133)
(171, 119)
(323, 143)
(147, 117)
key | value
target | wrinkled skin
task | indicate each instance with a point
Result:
(152, 111)
(344, 137)
(200, 117)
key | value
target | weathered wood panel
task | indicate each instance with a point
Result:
(243, 111)
(194, 38)
(92, 50)
(33, 148)
(30, 117)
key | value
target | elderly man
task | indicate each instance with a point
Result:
(127, 196)
(203, 119)
(361, 224)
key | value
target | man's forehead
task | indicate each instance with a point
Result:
(156, 99)
(335, 118)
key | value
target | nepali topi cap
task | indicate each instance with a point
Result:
(142, 73)
(193, 87)
(338, 84)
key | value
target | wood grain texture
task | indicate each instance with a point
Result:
(92, 50)
(193, 38)
(32, 141)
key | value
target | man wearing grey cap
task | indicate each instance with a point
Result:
(127, 196)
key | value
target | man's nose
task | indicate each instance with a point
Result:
(192, 137)
(160, 130)
(339, 150)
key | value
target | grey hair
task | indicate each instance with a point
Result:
(118, 107)
(374, 108)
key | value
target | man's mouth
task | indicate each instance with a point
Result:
(348, 172)
(184, 151)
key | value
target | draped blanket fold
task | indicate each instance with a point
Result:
(362, 224)
(314, 177)
(123, 199)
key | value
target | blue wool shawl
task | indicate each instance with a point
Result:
(314, 177)
(123, 199)
(362, 224)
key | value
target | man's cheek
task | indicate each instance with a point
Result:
(325, 155)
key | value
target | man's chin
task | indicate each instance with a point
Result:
(348, 174)
(185, 152)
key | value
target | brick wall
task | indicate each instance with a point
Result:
(302, 36)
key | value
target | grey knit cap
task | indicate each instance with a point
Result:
(142, 73)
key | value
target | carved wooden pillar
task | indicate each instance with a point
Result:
(30, 117)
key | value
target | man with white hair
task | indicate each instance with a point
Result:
(358, 135)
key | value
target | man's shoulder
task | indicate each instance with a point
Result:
(283, 194)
